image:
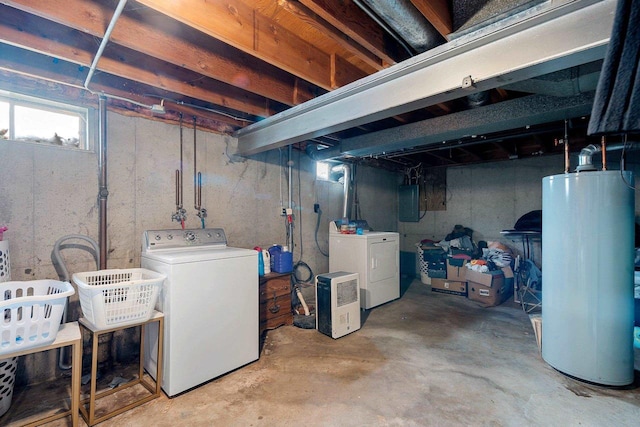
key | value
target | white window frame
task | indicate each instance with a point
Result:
(86, 115)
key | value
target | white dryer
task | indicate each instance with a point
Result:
(375, 255)
(210, 304)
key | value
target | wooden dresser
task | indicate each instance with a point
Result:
(275, 301)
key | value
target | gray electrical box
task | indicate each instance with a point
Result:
(409, 203)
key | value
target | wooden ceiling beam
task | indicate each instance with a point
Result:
(240, 26)
(347, 17)
(25, 71)
(308, 16)
(437, 13)
(76, 47)
(217, 61)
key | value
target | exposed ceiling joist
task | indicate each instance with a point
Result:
(437, 12)
(239, 61)
(218, 61)
(557, 37)
(350, 19)
(335, 32)
(242, 27)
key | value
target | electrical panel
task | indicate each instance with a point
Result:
(409, 203)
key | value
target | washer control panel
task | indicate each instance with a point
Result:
(174, 239)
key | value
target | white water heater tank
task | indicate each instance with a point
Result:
(587, 275)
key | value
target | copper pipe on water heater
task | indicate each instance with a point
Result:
(603, 144)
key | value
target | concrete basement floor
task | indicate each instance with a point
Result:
(425, 359)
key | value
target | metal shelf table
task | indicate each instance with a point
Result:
(89, 414)
(68, 335)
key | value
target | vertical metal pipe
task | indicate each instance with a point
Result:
(103, 191)
(290, 204)
(567, 164)
(603, 143)
(181, 165)
(195, 168)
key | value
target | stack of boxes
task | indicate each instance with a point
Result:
(449, 274)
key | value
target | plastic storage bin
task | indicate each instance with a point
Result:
(112, 298)
(31, 312)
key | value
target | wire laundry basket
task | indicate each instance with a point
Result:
(118, 297)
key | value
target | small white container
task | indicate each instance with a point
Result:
(266, 258)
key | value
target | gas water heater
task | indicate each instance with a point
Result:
(587, 275)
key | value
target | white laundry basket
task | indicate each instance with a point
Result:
(7, 366)
(31, 311)
(424, 266)
(5, 265)
(7, 379)
(118, 297)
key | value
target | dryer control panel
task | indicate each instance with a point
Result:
(173, 239)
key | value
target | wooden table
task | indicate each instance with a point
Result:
(68, 335)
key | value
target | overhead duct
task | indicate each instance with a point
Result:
(569, 82)
(585, 158)
(318, 154)
(406, 21)
(478, 99)
(507, 115)
(345, 169)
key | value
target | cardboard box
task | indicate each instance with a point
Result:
(456, 270)
(508, 272)
(446, 286)
(509, 280)
(437, 274)
(536, 322)
(488, 279)
(493, 295)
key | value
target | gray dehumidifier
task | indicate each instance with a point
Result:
(337, 303)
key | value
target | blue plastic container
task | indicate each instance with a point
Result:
(282, 262)
(274, 250)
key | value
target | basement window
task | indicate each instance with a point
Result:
(323, 170)
(35, 120)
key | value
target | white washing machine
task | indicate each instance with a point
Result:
(210, 304)
(375, 255)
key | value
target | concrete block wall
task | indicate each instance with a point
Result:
(487, 198)
(490, 197)
(47, 192)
